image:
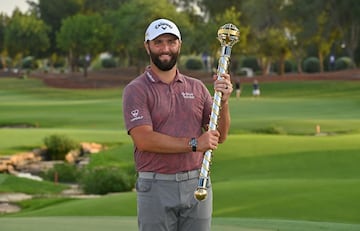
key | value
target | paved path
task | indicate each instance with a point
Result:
(6, 200)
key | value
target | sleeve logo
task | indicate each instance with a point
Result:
(135, 115)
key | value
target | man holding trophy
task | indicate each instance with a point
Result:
(167, 115)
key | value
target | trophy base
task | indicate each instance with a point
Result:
(200, 194)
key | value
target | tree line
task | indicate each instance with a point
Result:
(272, 31)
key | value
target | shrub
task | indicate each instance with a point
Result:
(289, 66)
(81, 62)
(194, 63)
(108, 62)
(311, 65)
(58, 146)
(343, 63)
(251, 62)
(273, 130)
(29, 63)
(59, 62)
(7, 63)
(104, 179)
(66, 173)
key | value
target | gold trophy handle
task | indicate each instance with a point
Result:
(228, 35)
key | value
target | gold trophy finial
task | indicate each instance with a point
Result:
(228, 35)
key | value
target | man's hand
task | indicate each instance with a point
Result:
(224, 85)
(208, 140)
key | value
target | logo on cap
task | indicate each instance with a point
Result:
(163, 25)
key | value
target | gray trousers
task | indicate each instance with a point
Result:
(169, 205)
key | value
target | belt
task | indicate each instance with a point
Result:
(181, 176)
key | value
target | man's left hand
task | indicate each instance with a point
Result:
(224, 85)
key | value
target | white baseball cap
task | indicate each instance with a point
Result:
(159, 27)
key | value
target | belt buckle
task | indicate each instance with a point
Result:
(181, 176)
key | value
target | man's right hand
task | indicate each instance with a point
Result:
(208, 140)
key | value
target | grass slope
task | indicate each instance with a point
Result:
(130, 224)
(277, 177)
(291, 181)
(291, 108)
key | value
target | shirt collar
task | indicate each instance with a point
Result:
(152, 77)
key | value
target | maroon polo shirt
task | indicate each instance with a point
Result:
(180, 109)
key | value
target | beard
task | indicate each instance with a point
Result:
(164, 65)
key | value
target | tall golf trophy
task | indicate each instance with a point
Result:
(228, 35)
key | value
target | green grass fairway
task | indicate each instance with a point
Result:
(96, 115)
(130, 224)
(273, 172)
(309, 178)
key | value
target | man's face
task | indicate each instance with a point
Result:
(164, 51)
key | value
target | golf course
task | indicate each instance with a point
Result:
(290, 163)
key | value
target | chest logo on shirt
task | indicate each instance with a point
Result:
(135, 115)
(188, 95)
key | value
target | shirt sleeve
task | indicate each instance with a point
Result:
(135, 109)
